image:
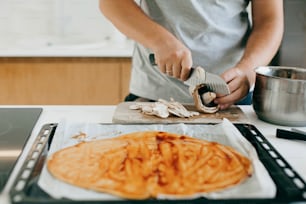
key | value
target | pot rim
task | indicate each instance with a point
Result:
(299, 69)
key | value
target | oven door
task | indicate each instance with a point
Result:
(16, 126)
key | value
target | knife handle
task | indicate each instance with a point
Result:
(152, 59)
(153, 63)
(286, 134)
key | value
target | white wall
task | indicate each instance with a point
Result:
(37, 22)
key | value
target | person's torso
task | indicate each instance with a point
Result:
(214, 30)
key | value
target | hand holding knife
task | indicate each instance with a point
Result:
(199, 76)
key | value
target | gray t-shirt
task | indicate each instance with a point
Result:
(214, 30)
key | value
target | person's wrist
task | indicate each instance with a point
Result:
(247, 71)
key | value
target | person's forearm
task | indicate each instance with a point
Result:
(171, 56)
(264, 40)
(134, 23)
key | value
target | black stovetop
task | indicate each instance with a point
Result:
(16, 125)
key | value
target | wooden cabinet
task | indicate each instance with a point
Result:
(64, 81)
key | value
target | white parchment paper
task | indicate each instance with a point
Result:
(259, 185)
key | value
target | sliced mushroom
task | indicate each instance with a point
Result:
(157, 109)
(204, 99)
(164, 108)
(178, 109)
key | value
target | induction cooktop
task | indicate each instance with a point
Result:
(16, 125)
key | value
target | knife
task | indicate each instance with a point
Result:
(199, 76)
(291, 135)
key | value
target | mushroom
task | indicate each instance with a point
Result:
(177, 109)
(204, 99)
(157, 109)
(164, 109)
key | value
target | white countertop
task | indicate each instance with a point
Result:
(101, 49)
(294, 151)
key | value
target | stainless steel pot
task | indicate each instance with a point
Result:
(280, 95)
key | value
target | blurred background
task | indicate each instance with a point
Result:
(37, 23)
(67, 52)
(293, 49)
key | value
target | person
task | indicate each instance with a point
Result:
(218, 35)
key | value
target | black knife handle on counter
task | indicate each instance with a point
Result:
(286, 134)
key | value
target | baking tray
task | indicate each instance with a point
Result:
(290, 186)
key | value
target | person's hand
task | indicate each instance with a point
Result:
(174, 59)
(239, 85)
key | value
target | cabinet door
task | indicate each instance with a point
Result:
(54, 81)
(125, 77)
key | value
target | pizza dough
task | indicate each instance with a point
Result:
(147, 164)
